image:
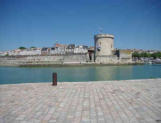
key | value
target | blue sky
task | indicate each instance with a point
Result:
(134, 23)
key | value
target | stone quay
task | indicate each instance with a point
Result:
(125, 101)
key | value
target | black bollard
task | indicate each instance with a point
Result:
(54, 79)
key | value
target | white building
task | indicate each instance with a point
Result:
(3, 53)
(81, 49)
(14, 52)
(57, 50)
(17, 52)
(30, 52)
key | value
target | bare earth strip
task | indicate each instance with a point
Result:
(127, 101)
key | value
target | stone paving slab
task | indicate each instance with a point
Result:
(128, 101)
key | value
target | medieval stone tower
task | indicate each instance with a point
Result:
(104, 45)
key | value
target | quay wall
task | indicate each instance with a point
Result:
(42, 60)
(61, 59)
(113, 59)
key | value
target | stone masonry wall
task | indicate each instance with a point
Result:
(36, 60)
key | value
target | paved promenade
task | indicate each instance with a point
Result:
(130, 101)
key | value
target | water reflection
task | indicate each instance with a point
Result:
(113, 72)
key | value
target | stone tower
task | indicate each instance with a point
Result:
(104, 44)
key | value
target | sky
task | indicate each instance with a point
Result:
(42, 23)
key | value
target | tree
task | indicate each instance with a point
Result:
(156, 55)
(147, 55)
(22, 48)
(7, 54)
(136, 54)
(144, 54)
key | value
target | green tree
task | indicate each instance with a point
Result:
(7, 54)
(136, 54)
(22, 48)
(147, 55)
(144, 54)
(156, 55)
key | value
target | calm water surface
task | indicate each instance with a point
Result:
(9, 75)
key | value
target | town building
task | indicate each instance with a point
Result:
(30, 52)
(45, 51)
(3, 53)
(70, 49)
(81, 49)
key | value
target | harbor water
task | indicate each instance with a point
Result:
(11, 75)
